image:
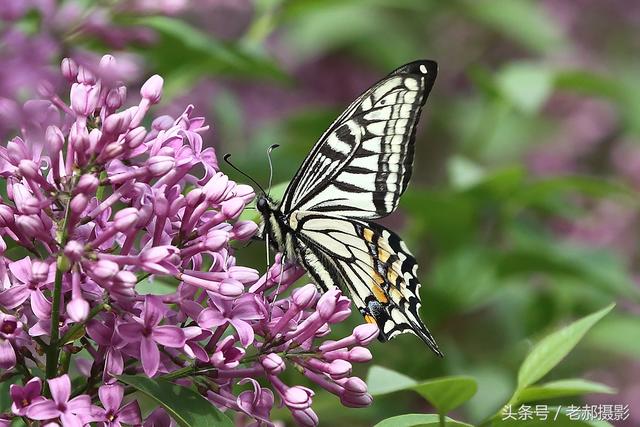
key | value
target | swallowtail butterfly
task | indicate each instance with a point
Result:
(355, 173)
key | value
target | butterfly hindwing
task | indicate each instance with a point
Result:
(369, 261)
(362, 164)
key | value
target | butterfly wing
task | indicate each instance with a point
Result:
(369, 261)
(362, 163)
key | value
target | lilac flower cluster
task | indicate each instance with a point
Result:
(96, 203)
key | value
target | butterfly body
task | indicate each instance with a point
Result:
(355, 173)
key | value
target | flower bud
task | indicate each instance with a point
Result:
(6, 216)
(233, 207)
(152, 89)
(84, 98)
(230, 288)
(360, 355)
(160, 165)
(305, 296)
(327, 304)
(105, 269)
(74, 251)
(85, 76)
(78, 204)
(305, 418)
(78, 309)
(87, 184)
(243, 230)
(339, 369)
(162, 123)
(54, 138)
(116, 123)
(365, 333)
(273, 364)
(69, 69)
(215, 240)
(30, 225)
(28, 168)
(135, 137)
(297, 397)
(125, 219)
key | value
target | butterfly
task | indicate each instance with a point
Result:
(356, 173)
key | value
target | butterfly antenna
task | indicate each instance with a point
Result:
(226, 159)
(269, 150)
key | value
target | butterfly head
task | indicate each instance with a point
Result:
(265, 205)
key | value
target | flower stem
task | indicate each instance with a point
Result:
(52, 351)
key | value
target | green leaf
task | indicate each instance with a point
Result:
(553, 348)
(523, 21)
(525, 85)
(562, 388)
(184, 405)
(447, 393)
(382, 381)
(184, 53)
(444, 394)
(419, 420)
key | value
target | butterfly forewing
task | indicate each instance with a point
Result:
(362, 164)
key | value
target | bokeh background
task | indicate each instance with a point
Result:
(523, 209)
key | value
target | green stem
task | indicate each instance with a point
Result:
(442, 420)
(53, 350)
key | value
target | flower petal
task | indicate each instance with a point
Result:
(130, 413)
(43, 410)
(7, 355)
(60, 389)
(211, 317)
(170, 336)
(130, 332)
(21, 269)
(111, 396)
(79, 404)
(14, 296)
(150, 356)
(245, 331)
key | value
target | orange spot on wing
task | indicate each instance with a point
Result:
(367, 233)
(369, 318)
(380, 295)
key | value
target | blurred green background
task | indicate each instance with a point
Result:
(522, 211)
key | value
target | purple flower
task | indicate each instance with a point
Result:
(146, 330)
(72, 412)
(114, 414)
(239, 313)
(256, 403)
(29, 277)
(23, 396)
(133, 228)
(10, 329)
